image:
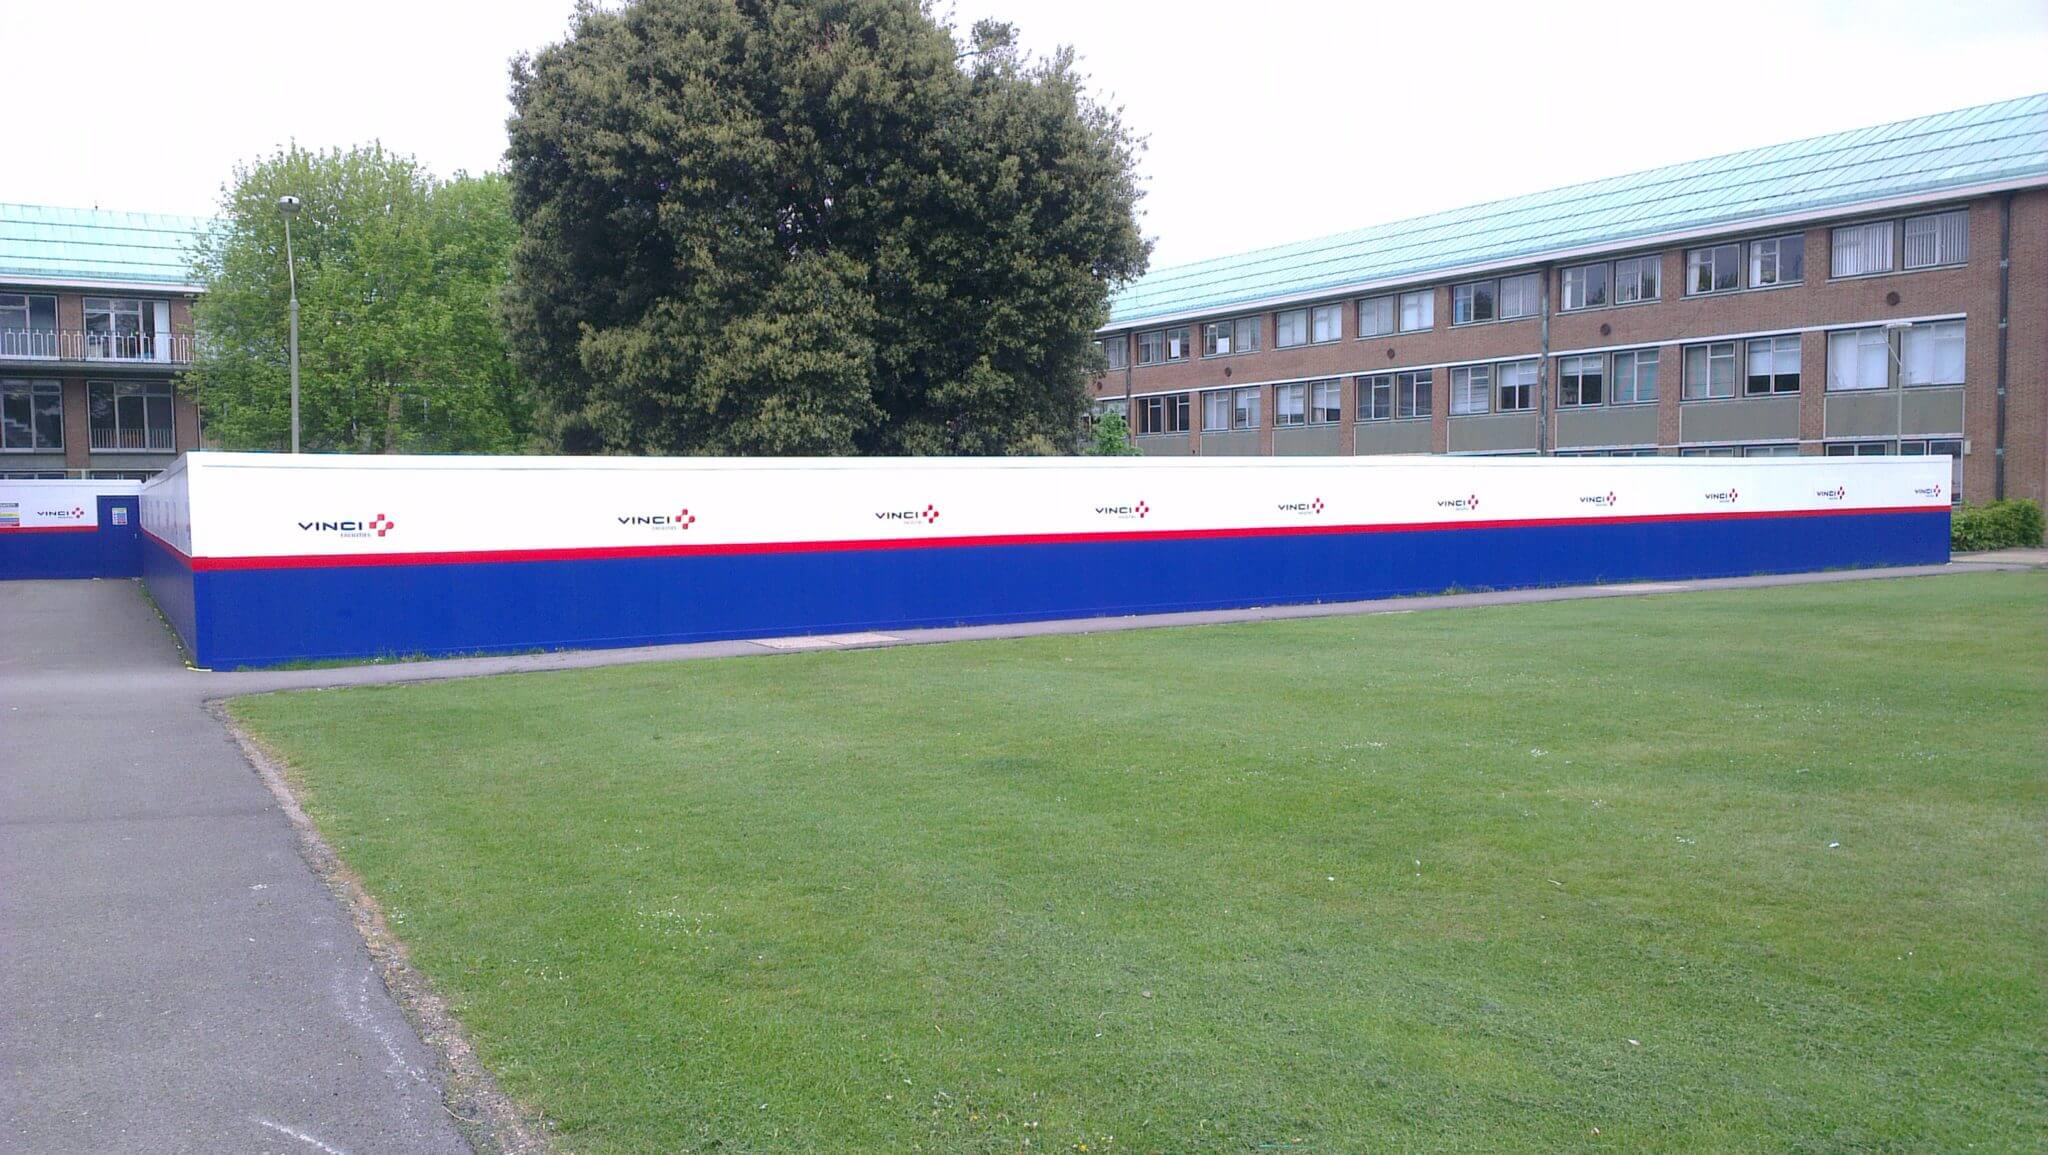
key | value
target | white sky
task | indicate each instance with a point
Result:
(1268, 121)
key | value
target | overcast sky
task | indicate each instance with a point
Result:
(1268, 122)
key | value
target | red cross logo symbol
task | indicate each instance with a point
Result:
(1316, 505)
(1143, 509)
(1472, 502)
(686, 519)
(1731, 493)
(1610, 497)
(930, 514)
(382, 525)
(78, 511)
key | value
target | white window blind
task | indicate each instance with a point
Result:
(1861, 249)
(1857, 359)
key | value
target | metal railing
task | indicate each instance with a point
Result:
(80, 345)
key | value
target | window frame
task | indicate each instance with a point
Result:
(1638, 358)
(1412, 386)
(41, 396)
(1297, 391)
(1890, 225)
(1477, 383)
(1317, 314)
(1653, 263)
(144, 392)
(1281, 325)
(1326, 401)
(1774, 381)
(1940, 262)
(1778, 244)
(1861, 333)
(1393, 316)
(1571, 369)
(1524, 390)
(1119, 360)
(1213, 401)
(1934, 331)
(1165, 345)
(1245, 416)
(1242, 333)
(1375, 396)
(1707, 349)
(1564, 287)
(1692, 265)
(1425, 301)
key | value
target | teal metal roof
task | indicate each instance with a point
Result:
(93, 245)
(1970, 147)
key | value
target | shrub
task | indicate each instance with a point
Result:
(1997, 525)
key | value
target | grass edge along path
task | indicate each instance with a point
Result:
(1743, 870)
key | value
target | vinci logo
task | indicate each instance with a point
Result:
(1305, 508)
(1836, 494)
(1725, 496)
(681, 519)
(1465, 503)
(1138, 511)
(75, 513)
(1929, 491)
(1606, 499)
(378, 525)
(928, 514)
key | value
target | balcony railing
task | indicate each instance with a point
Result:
(79, 345)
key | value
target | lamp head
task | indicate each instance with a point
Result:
(289, 206)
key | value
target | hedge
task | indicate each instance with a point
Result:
(1997, 525)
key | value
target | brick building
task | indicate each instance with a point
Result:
(1871, 292)
(95, 324)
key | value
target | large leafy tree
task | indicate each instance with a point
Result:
(811, 226)
(399, 282)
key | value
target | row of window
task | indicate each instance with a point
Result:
(1858, 359)
(1918, 242)
(121, 415)
(28, 323)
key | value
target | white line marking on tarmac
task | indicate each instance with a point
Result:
(825, 641)
(301, 1136)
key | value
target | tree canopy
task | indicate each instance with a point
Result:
(811, 226)
(399, 276)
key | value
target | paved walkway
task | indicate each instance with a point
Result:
(173, 975)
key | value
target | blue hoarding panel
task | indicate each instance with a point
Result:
(266, 615)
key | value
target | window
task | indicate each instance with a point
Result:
(1777, 261)
(1168, 414)
(28, 325)
(1637, 279)
(1375, 316)
(130, 415)
(1326, 402)
(31, 415)
(1222, 338)
(1472, 302)
(1288, 404)
(1116, 352)
(1770, 450)
(1520, 296)
(1215, 410)
(1326, 323)
(1245, 412)
(1501, 300)
(1472, 389)
(1711, 451)
(1418, 310)
(1585, 287)
(1162, 345)
(1858, 359)
(1376, 397)
(1290, 328)
(1709, 371)
(1412, 393)
(1713, 270)
(119, 328)
(1932, 354)
(1580, 380)
(1942, 239)
(1861, 249)
(1635, 376)
(1516, 385)
(1773, 366)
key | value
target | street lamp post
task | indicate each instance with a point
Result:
(288, 207)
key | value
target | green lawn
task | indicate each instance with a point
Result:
(1541, 877)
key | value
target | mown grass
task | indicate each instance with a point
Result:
(1757, 870)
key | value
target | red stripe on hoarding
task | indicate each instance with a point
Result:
(595, 553)
(48, 528)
